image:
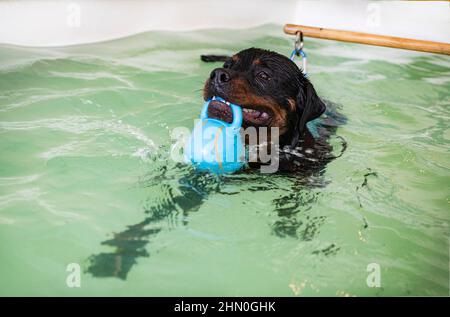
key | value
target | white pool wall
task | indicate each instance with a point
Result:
(62, 22)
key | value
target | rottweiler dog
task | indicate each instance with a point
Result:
(273, 92)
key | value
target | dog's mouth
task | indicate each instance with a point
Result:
(252, 115)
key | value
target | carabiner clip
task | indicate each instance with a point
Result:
(298, 51)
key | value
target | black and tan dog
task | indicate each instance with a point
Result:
(270, 88)
(273, 92)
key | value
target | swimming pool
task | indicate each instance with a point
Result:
(85, 176)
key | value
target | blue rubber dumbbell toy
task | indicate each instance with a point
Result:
(216, 145)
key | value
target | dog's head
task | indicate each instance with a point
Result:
(270, 88)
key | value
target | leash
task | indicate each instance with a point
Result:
(298, 51)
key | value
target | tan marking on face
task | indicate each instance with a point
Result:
(242, 94)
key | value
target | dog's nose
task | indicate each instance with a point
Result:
(219, 77)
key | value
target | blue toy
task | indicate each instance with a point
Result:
(215, 145)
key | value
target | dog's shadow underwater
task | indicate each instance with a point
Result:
(186, 193)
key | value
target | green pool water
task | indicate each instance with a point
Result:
(85, 176)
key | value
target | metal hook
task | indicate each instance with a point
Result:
(299, 41)
(298, 51)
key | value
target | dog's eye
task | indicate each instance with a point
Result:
(263, 75)
(227, 65)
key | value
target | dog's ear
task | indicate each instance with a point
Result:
(309, 107)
